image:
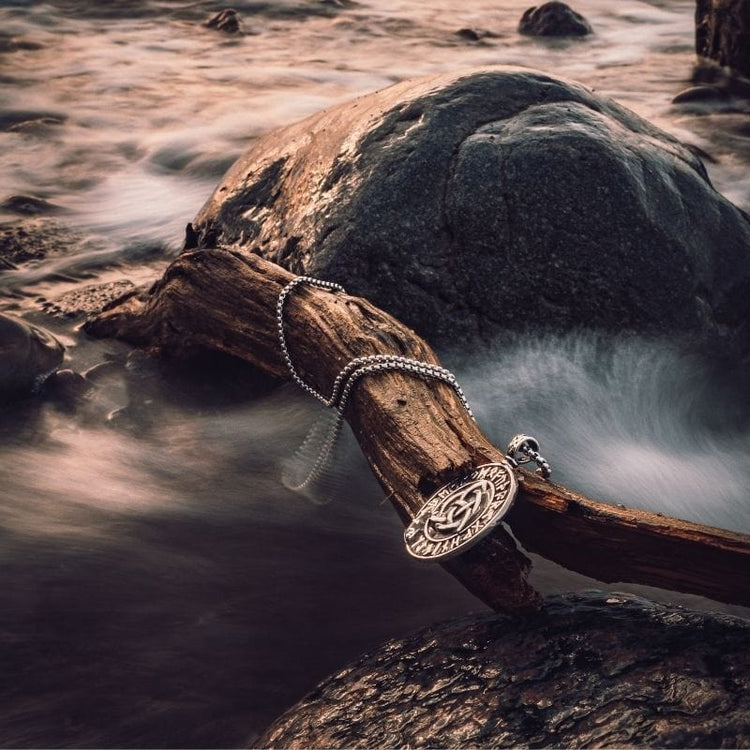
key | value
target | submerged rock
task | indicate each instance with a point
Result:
(66, 389)
(90, 299)
(28, 354)
(29, 205)
(13, 119)
(35, 238)
(227, 20)
(553, 19)
(470, 34)
(499, 199)
(587, 672)
(709, 73)
(711, 94)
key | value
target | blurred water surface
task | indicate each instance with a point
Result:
(160, 587)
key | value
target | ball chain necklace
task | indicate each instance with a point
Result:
(461, 512)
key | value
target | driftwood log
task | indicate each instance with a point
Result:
(416, 434)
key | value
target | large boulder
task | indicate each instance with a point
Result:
(587, 672)
(502, 198)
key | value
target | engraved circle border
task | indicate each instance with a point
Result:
(502, 501)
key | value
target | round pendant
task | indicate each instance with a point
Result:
(463, 511)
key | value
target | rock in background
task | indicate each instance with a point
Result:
(722, 33)
(587, 672)
(499, 199)
(553, 19)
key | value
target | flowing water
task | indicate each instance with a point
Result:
(159, 586)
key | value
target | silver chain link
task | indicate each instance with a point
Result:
(360, 367)
(290, 287)
(354, 371)
(524, 448)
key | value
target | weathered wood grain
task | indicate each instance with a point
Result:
(416, 434)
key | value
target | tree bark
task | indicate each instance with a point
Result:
(722, 33)
(417, 435)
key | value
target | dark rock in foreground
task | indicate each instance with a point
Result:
(553, 19)
(499, 199)
(28, 354)
(587, 672)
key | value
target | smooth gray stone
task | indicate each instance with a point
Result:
(27, 355)
(499, 199)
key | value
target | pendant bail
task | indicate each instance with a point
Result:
(524, 448)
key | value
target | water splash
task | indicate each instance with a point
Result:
(630, 421)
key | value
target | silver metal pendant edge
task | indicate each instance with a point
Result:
(483, 522)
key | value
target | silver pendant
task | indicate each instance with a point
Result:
(459, 514)
(463, 511)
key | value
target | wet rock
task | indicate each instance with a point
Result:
(474, 35)
(722, 33)
(470, 35)
(709, 73)
(499, 199)
(712, 99)
(13, 119)
(89, 300)
(41, 128)
(31, 123)
(693, 94)
(22, 241)
(36, 238)
(227, 20)
(66, 389)
(553, 19)
(587, 672)
(28, 205)
(28, 354)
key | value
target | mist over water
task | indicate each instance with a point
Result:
(160, 585)
(630, 421)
